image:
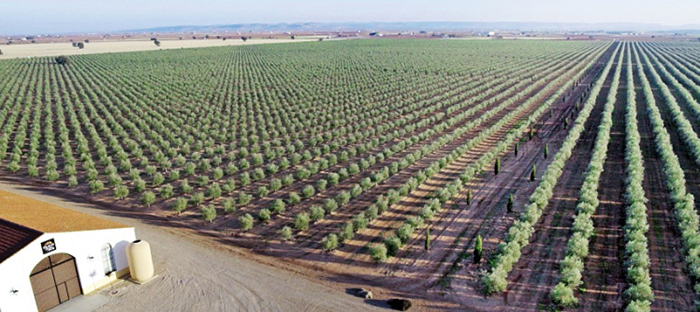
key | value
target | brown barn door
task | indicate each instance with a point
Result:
(55, 281)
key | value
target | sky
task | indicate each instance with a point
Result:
(52, 16)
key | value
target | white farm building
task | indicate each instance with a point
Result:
(50, 254)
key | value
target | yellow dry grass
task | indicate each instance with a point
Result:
(48, 218)
(66, 48)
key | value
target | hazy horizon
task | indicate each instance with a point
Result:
(43, 16)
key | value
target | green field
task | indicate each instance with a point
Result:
(352, 149)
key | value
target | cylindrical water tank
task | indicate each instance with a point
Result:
(138, 254)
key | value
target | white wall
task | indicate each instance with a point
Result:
(14, 272)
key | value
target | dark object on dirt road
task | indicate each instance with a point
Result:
(399, 304)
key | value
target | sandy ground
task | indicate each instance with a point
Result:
(201, 275)
(64, 48)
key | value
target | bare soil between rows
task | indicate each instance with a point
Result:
(604, 279)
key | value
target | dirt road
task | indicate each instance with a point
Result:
(197, 274)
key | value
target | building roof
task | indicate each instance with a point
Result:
(14, 237)
(47, 218)
(23, 219)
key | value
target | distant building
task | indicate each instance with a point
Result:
(49, 254)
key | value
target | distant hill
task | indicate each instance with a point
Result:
(424, 26)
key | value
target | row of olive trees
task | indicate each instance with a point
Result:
(520, 232)
(683, 201)
(403, 233)
(111, 175)
(448, 192)
(686, 72)
(403, 120)
(685, 129)
(421, 176)
(343, 173)
(114, 180)
(333, 178)
(244, 180)
(687, 96)
(572, 265)
(639, 294)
